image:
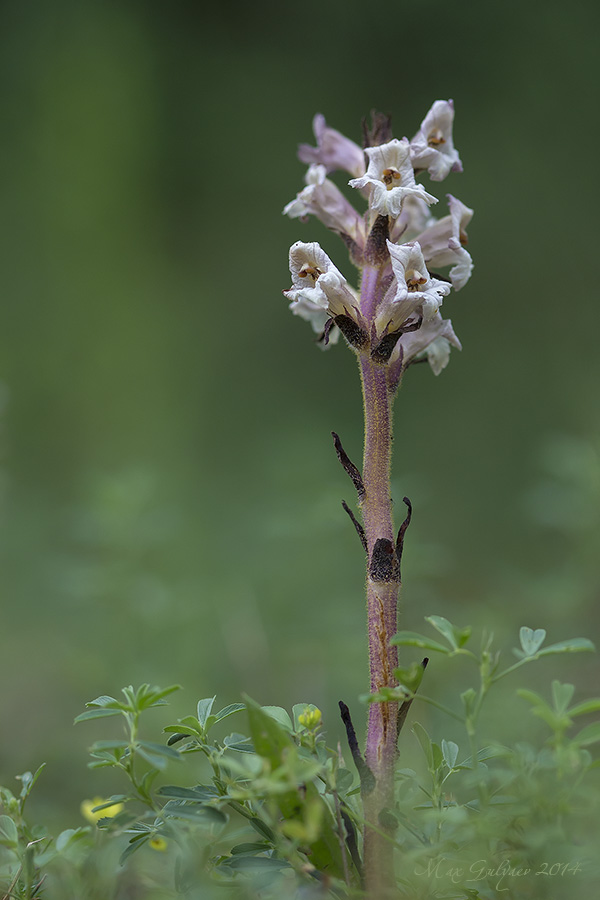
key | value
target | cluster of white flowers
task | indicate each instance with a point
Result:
(396, 243)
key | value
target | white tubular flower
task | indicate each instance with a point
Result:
(432, 147)
(443, 243)
(390, 178)
(333, 150)
(432, 340)
(316, 280)
(415, 291)
(323, 199)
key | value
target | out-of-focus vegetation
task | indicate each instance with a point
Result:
(169, 496)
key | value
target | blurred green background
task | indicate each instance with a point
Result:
(170, 498)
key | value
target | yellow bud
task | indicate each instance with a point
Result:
(310, 718)
(158, 843)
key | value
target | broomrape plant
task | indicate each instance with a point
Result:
(393, 321)
(272, 811)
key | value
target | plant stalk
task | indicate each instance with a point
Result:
(382, 608)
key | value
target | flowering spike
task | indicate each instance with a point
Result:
(397, 244)
(391, 323)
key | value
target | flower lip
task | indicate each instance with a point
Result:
(390, 178)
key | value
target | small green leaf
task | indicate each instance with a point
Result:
(543, 710)
(107, 703)
(438, 757)
(531, 697)
(269, 736)
(116, 798)
(96, 714)
(412, 639)
(456, 637)
(575, 645)
(588, 735)
(425, 742)
(153, 752)
(190, 722)
(262, 828)
(9, 835)
(411, 676)
(562, 694)
(134, 844)
(587, 706)
(531, 641)
(228, 711)
(109, 745)
(280, 715)
(154, 696)
(239, 742)
(176, 737)
(450, 753)
(344, 779)
(249, 848)
(199, 794)
(183, 809)
(204, 709)
(28, 780)
(387, 695)
(69, 836)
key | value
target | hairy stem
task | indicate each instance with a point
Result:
(383, 583)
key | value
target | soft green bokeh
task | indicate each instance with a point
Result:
(170, 495)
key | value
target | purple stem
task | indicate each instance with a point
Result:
(382, 597)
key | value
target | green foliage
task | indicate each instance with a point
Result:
(271, 811)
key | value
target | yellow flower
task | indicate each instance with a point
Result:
(88, 805)
(158, 843)
(310, 718)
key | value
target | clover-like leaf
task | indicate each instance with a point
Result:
(456, 637)
(531, 640)
(450, 753)
(575, 645)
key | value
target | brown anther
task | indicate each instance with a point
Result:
(436, 138)
(389, 176)
(313, 271)
(414, 280)
(462, 236)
